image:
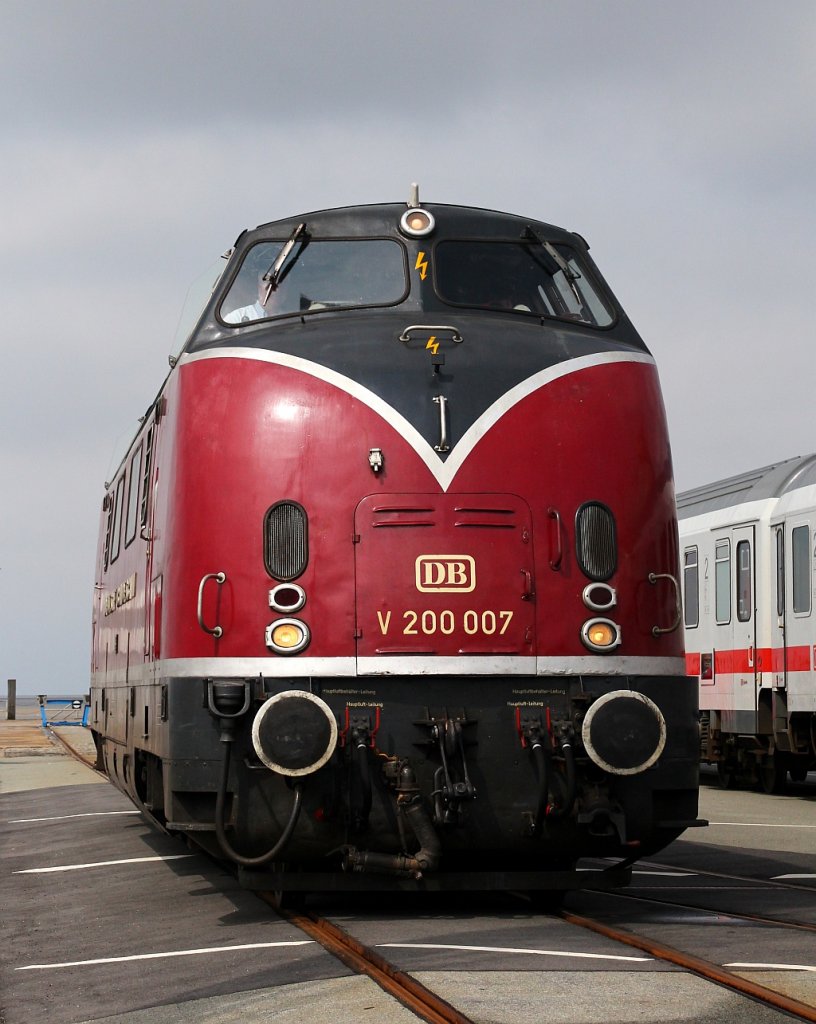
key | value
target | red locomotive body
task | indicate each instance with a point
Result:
(388, 580)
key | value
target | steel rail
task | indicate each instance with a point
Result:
(363, 960)
(740, 915)
(75, 753)
(703, 968)
(770, 883)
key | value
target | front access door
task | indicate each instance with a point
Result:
(444, 576)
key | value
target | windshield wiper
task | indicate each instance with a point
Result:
(272, 276)
(561, 264)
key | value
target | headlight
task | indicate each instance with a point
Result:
(600, 634)
(287, 636)
(417, 222)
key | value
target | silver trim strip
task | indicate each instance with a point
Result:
(444, 472)
(611, 664)
(432, 665)
(389, 665)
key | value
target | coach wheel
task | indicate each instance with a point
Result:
(726, 776)
(772, 774)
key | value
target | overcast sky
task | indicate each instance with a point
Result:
(140, 137)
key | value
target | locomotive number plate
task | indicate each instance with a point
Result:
(429, 622)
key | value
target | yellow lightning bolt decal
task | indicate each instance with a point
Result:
(433, 344)
(421, 265)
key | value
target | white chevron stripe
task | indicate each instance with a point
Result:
(444, 472)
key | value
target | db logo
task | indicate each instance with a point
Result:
(445, 574)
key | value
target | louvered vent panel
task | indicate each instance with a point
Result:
(286, 549)
(596, 546)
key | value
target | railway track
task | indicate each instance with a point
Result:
(364, 960)
(77, 755)
(430, 1007)
(696, 965)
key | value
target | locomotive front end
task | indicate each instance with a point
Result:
(414, 604)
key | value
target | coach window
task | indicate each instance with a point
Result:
(800, 546)
(132, 520)
(744, 594)
(722, 581)
(116, 536)
(780, 571)
(691, 588)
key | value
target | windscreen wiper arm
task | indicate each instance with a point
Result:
(272, 276)
(571, 275)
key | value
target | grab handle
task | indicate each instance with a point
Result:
(454, 331)
(555, 563)
(219, 577)
(653, 578)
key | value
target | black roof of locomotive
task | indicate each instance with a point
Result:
(383, 219)
(768, 482)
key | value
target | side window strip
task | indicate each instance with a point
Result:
(722, 581)
(691, 587)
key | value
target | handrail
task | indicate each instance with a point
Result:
(653, 578)
(219, 577)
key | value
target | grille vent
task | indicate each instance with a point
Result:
(286, 548)
(596, 545)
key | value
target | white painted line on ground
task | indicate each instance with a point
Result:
(63, 817)
(756, 824)
(509, 949)
(102, 864)
(641, 871)
(667, 874)
(774, 967)
(775, 877)
(159, 956)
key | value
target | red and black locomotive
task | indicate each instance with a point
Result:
(387, 588)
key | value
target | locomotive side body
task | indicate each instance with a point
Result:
(747, 548)
(405, 596)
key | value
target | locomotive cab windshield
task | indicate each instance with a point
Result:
(316, 274)
(520, 276)
(302, 271)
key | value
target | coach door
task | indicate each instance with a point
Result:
(797, 607)
(744, 655)
(778, 676)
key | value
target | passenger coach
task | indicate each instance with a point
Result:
(748, 571)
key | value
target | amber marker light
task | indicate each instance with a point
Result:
(600, 635)
(417, 222)
(287, 636)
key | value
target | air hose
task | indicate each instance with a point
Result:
(223, 842)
